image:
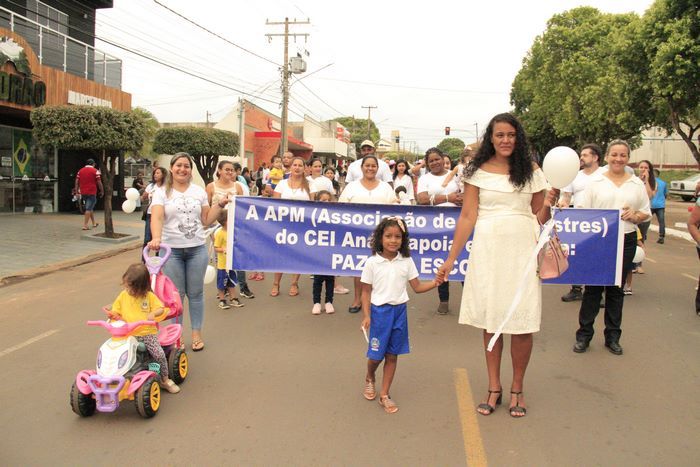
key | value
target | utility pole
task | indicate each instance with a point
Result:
(369, 115)
(285, 73)
(241, 131)
(208, 115)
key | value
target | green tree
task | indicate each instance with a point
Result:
(669, 35)
(205, 145)
(358, 130)
(105, 132)
(151, 125)
(453, 147)
(571, 88)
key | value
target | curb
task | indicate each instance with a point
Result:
(673, 233)
(48, 269)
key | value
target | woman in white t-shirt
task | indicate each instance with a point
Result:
(160, 174)
(433, 191)
(317, 181)
(294, 187)
(404, 179)
(367, 190)
(179, 213)
(613, 189)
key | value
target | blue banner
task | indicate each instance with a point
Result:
(333, 238)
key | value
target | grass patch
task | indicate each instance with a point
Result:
(672, 175)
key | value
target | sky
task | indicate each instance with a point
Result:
(444, 63)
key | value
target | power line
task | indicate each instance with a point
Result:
(213, 33)
(412, 87)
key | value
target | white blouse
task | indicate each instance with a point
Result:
(602, 193)
(286, 192)
(355, 192)
(432, 184)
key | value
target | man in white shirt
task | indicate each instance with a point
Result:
(572, 195)
(355, 169)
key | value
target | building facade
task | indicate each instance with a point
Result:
(47, 57)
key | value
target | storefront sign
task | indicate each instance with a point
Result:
(14, 88)
(77, 98)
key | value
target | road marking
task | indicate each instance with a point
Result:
(473, 444)
(28, 342)
(689, 276)
(646, 258)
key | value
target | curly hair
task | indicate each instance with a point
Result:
(137, 280)
(376, 241)
(520, 163)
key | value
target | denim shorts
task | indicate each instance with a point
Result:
(388, 331)
(224, 279)
(90, 201)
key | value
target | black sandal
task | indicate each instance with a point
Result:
(490, 408)
(517, 411)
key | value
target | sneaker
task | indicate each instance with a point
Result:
(340, 290)
(170, 386)
(573, 295)
(443, 308)
(236, 303)
(329, 308)
(224, 305)
(316, 309)
(246, 293)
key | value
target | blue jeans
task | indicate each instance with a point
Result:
(661, 216)
(186, 268)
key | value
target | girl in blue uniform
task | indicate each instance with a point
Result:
(384, 299)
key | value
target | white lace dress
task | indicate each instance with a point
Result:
(505, 235)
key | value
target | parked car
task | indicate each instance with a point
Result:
(685, 188)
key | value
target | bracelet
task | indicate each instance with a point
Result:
(432, 200)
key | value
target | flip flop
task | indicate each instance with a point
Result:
(95, 226)
(197, 345)
(293, 290)
(86, 228)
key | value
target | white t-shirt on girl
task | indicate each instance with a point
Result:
(388, 278)
(354, 192)
(182, 225)
(407, 182)
(433, 185)
(321, 183)
(286, 192)
(150, 189)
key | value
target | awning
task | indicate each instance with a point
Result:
(292, 142)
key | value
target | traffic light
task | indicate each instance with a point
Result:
(447, 131)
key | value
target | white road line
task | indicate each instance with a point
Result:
(689, 276)
(28, 342)
(646, 258)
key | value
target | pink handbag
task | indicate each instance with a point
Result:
(552, 260)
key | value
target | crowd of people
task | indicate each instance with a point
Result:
(503, 197)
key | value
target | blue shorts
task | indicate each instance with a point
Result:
(90, 201)
(225, 279)
(388, 331)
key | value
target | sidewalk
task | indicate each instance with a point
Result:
(35, 244)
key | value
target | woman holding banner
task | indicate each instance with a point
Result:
(294, 187)
(614, 189)
(433, 191)
(367, 190)
(179, 213)
(505, 194)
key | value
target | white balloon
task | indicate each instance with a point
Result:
(639, 255)
(560, 166)
(209, 274)
(132, 194)
(129, 206)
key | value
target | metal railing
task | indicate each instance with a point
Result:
(60, 51)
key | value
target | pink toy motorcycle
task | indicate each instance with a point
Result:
(125, 369)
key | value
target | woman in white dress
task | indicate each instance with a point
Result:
(433, 191)
(367, 190)
(505, 194)
(294, 187)
(404, 179)
(317, 181)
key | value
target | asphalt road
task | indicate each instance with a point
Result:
(278, 386)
